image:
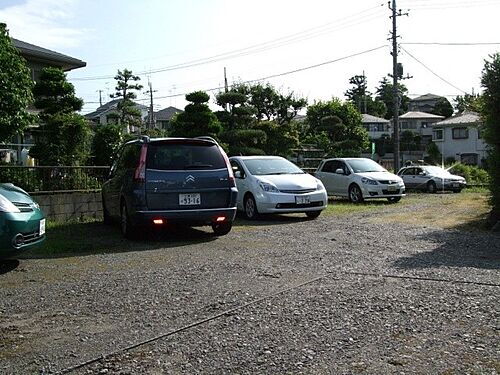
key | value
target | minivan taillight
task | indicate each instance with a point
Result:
(232, 181)
(140, 171)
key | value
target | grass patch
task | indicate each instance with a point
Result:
(338, 206)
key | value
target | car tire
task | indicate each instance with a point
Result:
(250, 208)
(355, 194)
(313, 214)
(128, 230)
(106, 218)
(394, 199)
(222, 229)
(431, 187)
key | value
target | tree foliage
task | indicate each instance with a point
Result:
(340, 124)
(385, 94)
(359, 95)
(468, 102)
(126, 86)
(15, 93)
(197, 118)
(64, 134)
(490, 82)
(106, 143)
(443, 108)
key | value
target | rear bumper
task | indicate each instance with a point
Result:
(190, 217)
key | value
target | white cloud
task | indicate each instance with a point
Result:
(43, 22)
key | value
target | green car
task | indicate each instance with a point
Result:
(22, 223)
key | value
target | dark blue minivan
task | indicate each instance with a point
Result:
(161, 181)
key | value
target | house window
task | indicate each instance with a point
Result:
(437, 134)
(425, 125)
(404, 125)
(460, 133)
(469, 159)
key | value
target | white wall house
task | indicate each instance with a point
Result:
(420, 123)
(459, 137)
(376, 126)
(107, 114)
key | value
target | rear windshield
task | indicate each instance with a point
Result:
(177, 156)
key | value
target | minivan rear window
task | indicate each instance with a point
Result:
(184, 156)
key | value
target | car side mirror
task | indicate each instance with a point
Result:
(339, 171)
(238, 174)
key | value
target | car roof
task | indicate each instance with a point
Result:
(347, 159)
(171, 139)
(255, 157)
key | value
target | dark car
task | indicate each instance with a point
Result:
(22, 223)
(162, 181)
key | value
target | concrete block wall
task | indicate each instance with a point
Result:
(70, 206)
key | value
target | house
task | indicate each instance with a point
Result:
(419, 123)
(162, 117)
(459, 138)
(108, 114)
(376, 126)
(37, 58)
(424, 103)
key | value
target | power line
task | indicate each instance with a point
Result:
(293, 38)
(451, 43)
(430, 70)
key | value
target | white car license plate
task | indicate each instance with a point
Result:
(41, 230)
(392, 188)
(189, 199)
(302, 200)
(456, 185)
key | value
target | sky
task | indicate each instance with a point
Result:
(183, 45)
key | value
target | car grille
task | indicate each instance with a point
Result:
(31, 237)
(387, 192)
(23, 207)
(387, 182)
(304, 191)
(294, 205)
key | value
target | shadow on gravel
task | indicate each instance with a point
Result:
(270, 219)
(459, 247)
(78, 239)
(8, 265)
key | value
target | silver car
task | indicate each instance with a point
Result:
(431, 179)
(359, 179)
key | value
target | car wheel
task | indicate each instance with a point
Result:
(251, 212)
(222, 229)
(313, 214)
(355, 194)
(127, 228)
(106, 218)
(394, 199)
(431, 187)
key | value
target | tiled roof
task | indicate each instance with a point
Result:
(461, 118)
(427, 97)
(108, 107)
(166, 114)
(420, 115)
(374, 119)
(31, 50)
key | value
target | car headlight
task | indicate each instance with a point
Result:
(6, 205)
(268, 188)
(35, 205)
(368, 181)
(319, 185)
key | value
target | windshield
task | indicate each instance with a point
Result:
(436, 171)
(262, 167)
(184, 156)
(365, 165)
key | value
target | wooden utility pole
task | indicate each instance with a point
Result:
(100, 97)
(151, 108)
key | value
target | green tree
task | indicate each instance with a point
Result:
(105, 143)
(15, 92)
(359, 95)
(197, 118)
(385, 94)
(64, 134)
(128, 115)
(435, 156)
(468, 102)
(443, 107)
(341, 124)
(490, 81)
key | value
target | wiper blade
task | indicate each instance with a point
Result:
(195, 166)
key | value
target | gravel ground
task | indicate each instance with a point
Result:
(381, 298)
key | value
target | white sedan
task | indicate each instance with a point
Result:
(359, 179)
(272, 184)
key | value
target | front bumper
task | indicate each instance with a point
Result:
(194, 217)
(452, 185)
(25, 224)
(275, 203)
(383, 191)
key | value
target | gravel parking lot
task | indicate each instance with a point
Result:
(366, 292)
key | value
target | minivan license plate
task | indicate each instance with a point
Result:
(189, 199)
(302, 200)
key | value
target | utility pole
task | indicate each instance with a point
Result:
(151, 109)
(364, 96)
(100, 97)
(395, 75)
(226, 88)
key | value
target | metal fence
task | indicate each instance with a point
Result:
(61, 178)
